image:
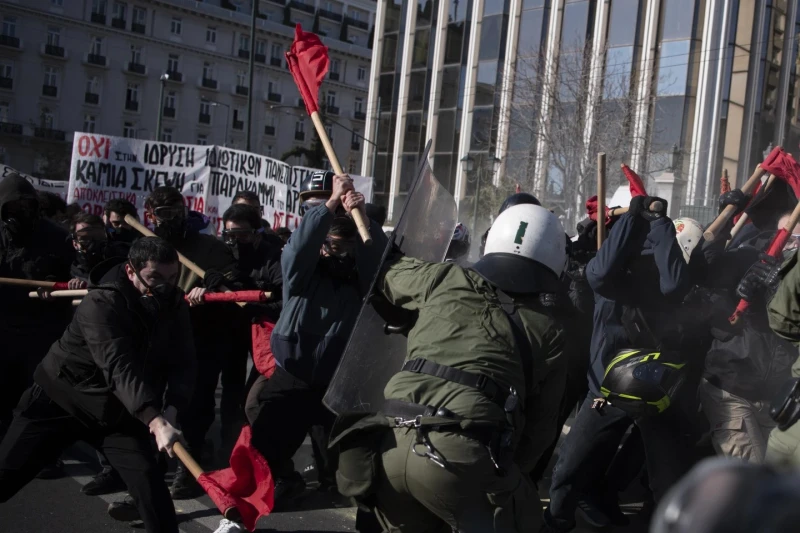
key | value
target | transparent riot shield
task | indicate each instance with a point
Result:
(372, 355)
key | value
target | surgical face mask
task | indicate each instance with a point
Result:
(158, 298)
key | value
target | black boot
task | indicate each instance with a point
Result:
(124, 510)
(106, 482)
(287, 490)
(185, 486)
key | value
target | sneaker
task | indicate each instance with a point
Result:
(226, 526)
(552, 525)
(185, 486)
(287, 490)
(104, 483)
(125, 510)
(52, 471)
(592, 515)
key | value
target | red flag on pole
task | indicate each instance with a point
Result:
(308, 62)
(634, 181)
(783, 165)
(247, 485)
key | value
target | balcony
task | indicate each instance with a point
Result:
(96, 59)
(204, 119)
(138, 28)
(355, 146)
(269, 130)
(137, 68)
(169, 112)
(333, 76)
(330, 15)
(54, 51)
(91, 98)
(241, 90)
(6, 83)
(300, 6)
(175, 76)
(299, 136)
(359, 115)
(275, 61)
(10, 42)
(275, 98)
(10, 128)
(238, 124)
(350, 21)
(50, 133)
(118, 23)
(260, 58)
(208, 83)
(50, 90)
(332, 110)
(244, 54)
(132, 105)
(99, 18)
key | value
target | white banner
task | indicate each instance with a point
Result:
(40, 184)
(105, 167)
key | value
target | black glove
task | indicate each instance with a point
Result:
(640, 206)
(214, 279)
(735, 198)
(761, 278)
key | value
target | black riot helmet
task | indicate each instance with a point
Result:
(319, 182)
(517, 199)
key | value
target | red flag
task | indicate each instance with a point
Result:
(263, 359)
(591, 209)
(247, 485)
(724, 184)
(784, 167)
(635, 182)
(308, 62)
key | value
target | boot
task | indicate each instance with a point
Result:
(185, 486)
(287, 490)
(106, 482)
(125, 510)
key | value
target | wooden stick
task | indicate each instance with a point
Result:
(655, 206)
(27, 283)
(231, 513)
(71, 293)
(191, 265)
(745, 217)
(601, 199)
(713, 231)
(358, 217)
(76, 303)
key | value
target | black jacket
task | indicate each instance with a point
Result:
(115, 358)
(46, 255)
(262, 269)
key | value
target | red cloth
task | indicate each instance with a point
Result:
(235, 296)
(263, 359)
(60, 286)
(308, 62)
(724, 184)
(784, 167)
(634, 181)
(591, 209)
(247, 485)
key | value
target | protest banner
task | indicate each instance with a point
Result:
(40, 184)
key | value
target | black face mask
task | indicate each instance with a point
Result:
(20, 228)
(93, 253)
(173, 230)
(160, 298)
(122, 234)
(341, 267)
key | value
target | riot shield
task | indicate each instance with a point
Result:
(373, 355)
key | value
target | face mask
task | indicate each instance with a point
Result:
(19, 228)
(158, 298)
(122, 234)
(171, 230)
(342, 267)
(93, 253)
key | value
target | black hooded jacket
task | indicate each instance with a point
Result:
(115, 357)
(45, 255)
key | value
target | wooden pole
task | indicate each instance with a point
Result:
(28, 283)
(601, 199)
(358, 217)
(713, 231)
(744, 216)
(71, 293)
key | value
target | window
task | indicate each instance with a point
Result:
(172, 63)
(132, 95)
(208, 71)
(88, 123)
(273, 87)
(276, 51)
(5, 111)
(6, 70)
(202, 139)
(51, 76)
(136, 54)
(48, 119)
(329, 131)
(175, 26)
(120, 10)
(261, 48)
(238, 117)
(211, 35)
(356, 138)
(244, 42)
(97, 46)
(57, 3)
(166, 135)
(129, 130)
(268, 150)
(10, 26)
(170, 99)
(359, 105)
(53, 36)
(269, 120)
(355, 15)
(99, 7)
(241, 77)
(139, 15)
(330, 99)
(300, 126)
(93, 85)
(205, 108)
(362, 73)
(335, 64)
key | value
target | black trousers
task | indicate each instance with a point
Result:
(40, 432)
(289, 409)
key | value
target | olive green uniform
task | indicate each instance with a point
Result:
(461, 324)
(783, 447)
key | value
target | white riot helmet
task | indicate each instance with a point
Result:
(525, 250)
(688, 232)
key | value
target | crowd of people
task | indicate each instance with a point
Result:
(629, 344)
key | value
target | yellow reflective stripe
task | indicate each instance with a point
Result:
(656, 355)
(674, 365)
(617, 359)
(628, 396)
(661, 404)
(604, 391)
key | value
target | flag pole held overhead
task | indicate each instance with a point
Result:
(308, 62)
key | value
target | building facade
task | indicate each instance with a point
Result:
(97, 66)
(686, 88)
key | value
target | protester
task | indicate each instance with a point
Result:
(326, 272)
(92, 246)
(165, 207)
(250, 198)
(114, 213)
(52, 207)
(376, 212)
(125, 364)
(459, 247)
(284, 233)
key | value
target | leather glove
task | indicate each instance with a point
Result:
(214, 279)
(735, 198)
(761, 278)
(640, 206)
